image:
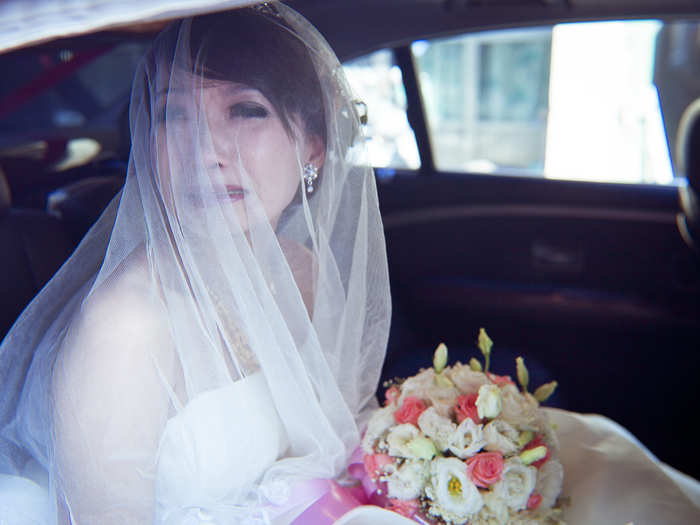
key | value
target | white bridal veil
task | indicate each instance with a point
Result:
(218, 335)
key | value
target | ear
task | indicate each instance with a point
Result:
(315, 151)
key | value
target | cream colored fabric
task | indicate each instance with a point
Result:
(27, 22)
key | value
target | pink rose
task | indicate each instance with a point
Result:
(405, 507)
(374, 463)
(537, 441)
(485, 468)
(466, 408)
(391, 395)
(534, 501)
(500, 380)
(410, 410)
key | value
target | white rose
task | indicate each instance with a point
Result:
(453, 495)
(436, 427)
(550, 477)
(467, 380)
(423, 386)
(467, 439)
(494, 511)
(381, 420)
(418, 385)
(398, 440)
(488, 404)
(501, 437)
(517, 409)
(408, 481)
(517, 483)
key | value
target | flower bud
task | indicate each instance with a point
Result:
(440, 358)
(422, 447)
(484, 342)
(531, 455)
(525, 437)
(443, 380)
(475, 365)
(544, 391)
(523, 375)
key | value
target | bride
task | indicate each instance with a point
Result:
(210, 351)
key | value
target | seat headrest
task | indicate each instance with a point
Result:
(689, 157)
(688, 144)
(5, 200)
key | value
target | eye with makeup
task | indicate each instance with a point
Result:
(248, 110)
(171, 113)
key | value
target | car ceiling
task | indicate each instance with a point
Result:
(352, 27)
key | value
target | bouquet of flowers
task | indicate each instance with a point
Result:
(460, 445)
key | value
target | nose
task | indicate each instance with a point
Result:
(212, 152)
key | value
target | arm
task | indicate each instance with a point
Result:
(110, 404)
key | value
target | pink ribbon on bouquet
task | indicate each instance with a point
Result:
(334, 499)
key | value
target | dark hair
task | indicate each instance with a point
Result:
(261, 51)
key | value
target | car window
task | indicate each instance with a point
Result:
(377, 82)
(570, 101)
(592, 101)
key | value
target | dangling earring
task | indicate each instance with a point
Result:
(310, 175)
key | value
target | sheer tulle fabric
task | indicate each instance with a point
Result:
(214, 300)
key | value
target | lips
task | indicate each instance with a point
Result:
(232, 192)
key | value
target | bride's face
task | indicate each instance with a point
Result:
(232, 134)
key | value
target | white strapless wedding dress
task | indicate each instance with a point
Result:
(216, 446)
(213, 449)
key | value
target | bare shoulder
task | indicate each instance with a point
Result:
(121, 326)
(126, 299)
(107, 381)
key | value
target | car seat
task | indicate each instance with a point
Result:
(80, 203)
(33, 245)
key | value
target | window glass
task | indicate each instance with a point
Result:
(376, 80)
(570, 101)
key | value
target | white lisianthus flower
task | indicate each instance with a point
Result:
(501, 437)
(516, 484)
(380, 422)
(408, 481)
(550, 477)
(399, 438)
(488, 403)
(467, 439)
(436, 427)
(453, 496)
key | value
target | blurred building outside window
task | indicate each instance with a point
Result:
(376, 81)
(573, 101)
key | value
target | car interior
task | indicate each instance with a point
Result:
(593, 277)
